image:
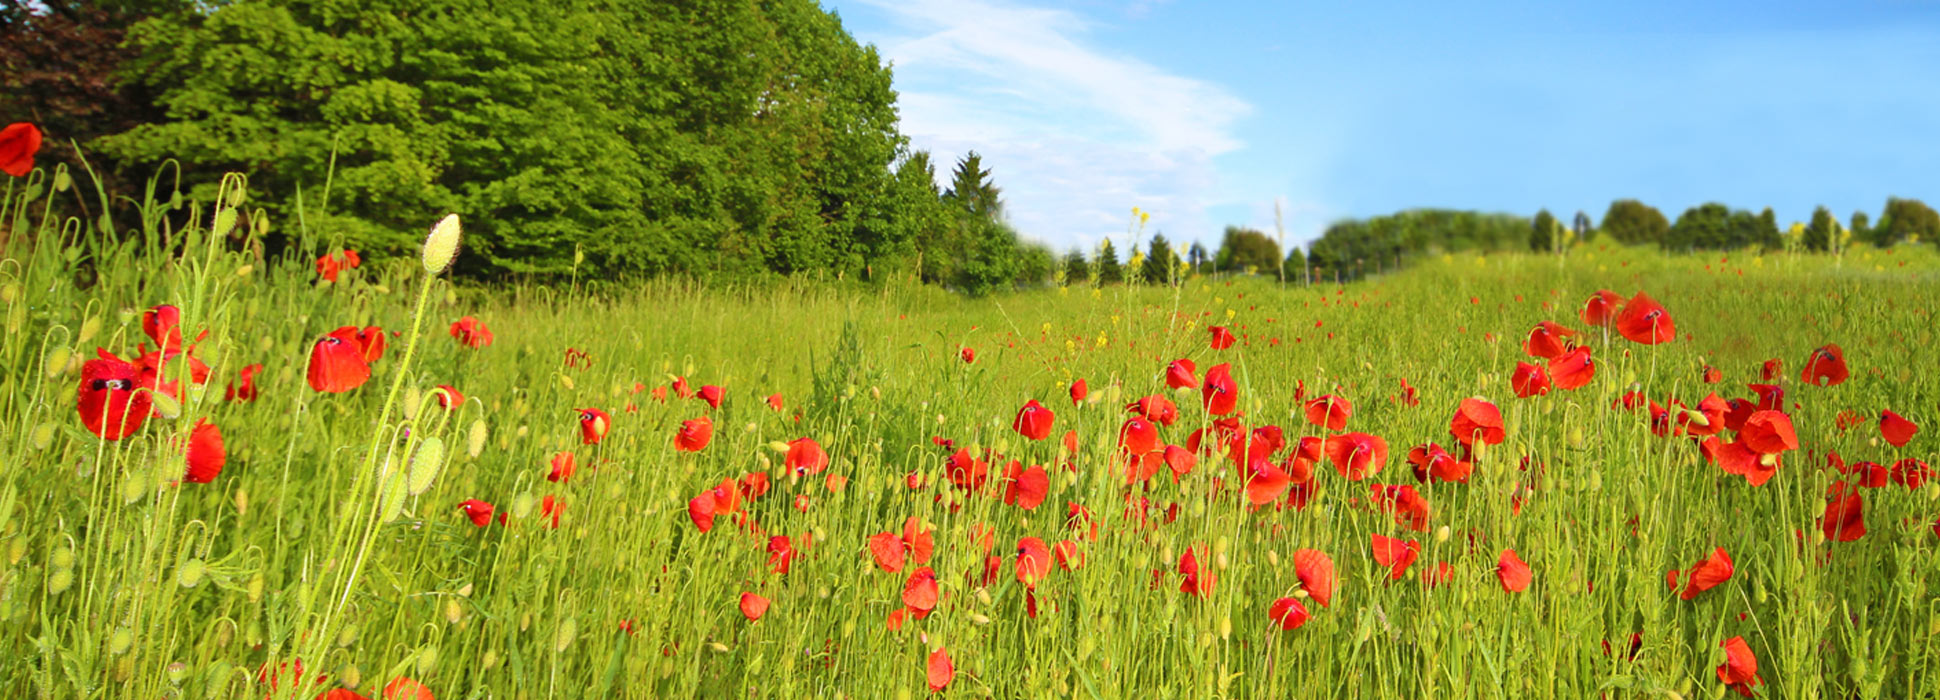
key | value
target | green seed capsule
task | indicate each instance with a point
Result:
(189, 574)
(58, 581)
(424, 467)
(120, 640)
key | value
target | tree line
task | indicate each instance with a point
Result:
(612, 137)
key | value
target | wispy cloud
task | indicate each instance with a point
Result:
(1075, 134)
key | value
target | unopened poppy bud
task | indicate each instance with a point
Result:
(56, 362)
(189, 574)
(1442, 533)
(350, 676)
(441, 245)
(177, 672)
(120, 640)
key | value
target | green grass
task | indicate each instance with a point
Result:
(115, 584)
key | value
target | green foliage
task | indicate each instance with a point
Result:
(1906, 219)
(1242, 249)
(1294, 268)
(1109, 270)
(1632, 222)
(1542, 232)
(1076, 269)
(1159, 263)
(1352, 247)
(1821, 234)
(1713, 226)
(699, 137)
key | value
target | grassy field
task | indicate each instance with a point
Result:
(347, 533)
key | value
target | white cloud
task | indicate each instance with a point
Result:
(1075, 135)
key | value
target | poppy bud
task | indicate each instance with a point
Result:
(441, 245)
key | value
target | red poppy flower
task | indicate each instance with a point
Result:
(1711, 375)
(1436, 575)
(206, 454)
(1265, 483)
(1548, 340)
(114, 396)
(1156, 409)
(1178, 460)
(244, 388)
(891, 551)
(563, 465)
(1407, 506)
(1408, 397)
(712, 395)
(783, 550)
(1529, 380)
(1138, 437)
(1477, 419)
(1768, 433)
(1181, 374)
(1740, 668)
(1735, 458)
(1432, 463)
(1574, 369)
(1395, 555)
(722, 499)
(1025, 487)
(1772, 369)
(1357, 456)
(593, 424)
(1306, 453)
(1221, 337)
(1512, 571)
(401, 688)
(939, 671)
(1911, 473)
(774, 402)
(1316, 572)
(337, 365)
(1079, 390)
(552, 507)
(449, 397)
(1221, 393)
(968, 355)
(1288, 613)
(1844, 519)
(754, 485)
(1645, 321)
(478, 511)
(1601, 309)
(1033, 561)
(18, 144)
(471, 333)
(1706, 574)
(1329, 412)
(1825, 367)
(681, 389)
(370, 342)
(753, 606)
(1771, 397)
(965, 471)
(805, 457)
(920, 592)
(694, 434)
(163, 324)
(1197, 580)
(328, 268)
(1897, 431)
(1034, 421)
(1706, 420)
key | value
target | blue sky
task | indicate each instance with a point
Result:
(1207, 113)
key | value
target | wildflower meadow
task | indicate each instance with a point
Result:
(1607, 472)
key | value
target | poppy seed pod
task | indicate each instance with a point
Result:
(441, 245)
